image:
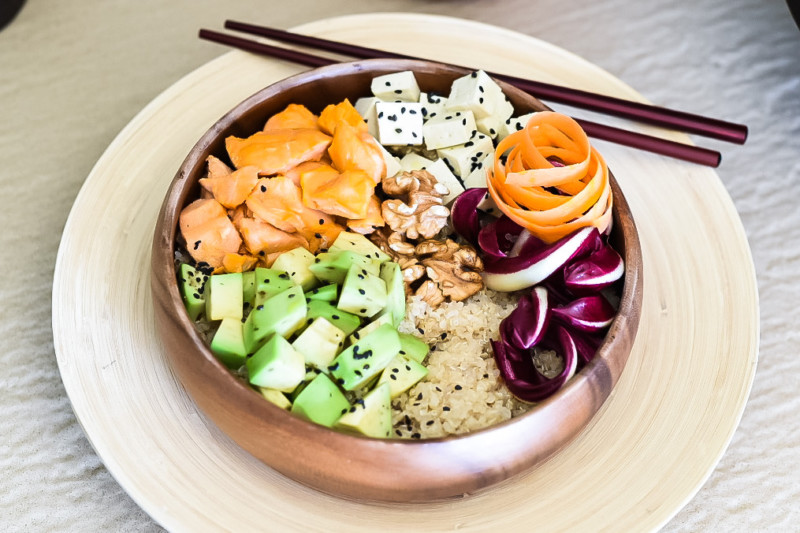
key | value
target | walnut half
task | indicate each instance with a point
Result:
(422, 214)
(454, 268)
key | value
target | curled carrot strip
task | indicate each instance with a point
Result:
(551, 200)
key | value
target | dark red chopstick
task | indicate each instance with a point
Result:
(685, 152)
(658, 116)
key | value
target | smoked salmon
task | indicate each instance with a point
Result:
(230, 189)
(352, 149)
(277, 151)
(277, 201)
(372, 221)
(262, 238)
(335, 114)
(346, 195)
(208, 232)
(294, 117)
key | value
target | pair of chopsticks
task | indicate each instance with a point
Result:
(658, 116)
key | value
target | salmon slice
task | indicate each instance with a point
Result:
(352, 149)
(262, 238)
(277, 151)
(319, 229)
(346, 195)
(238, 262)
(231, 189)
(295, 173)
(372, 221)
(216, 167)
(277, 201)
(295, 116)
(335, 114)
(208, 232)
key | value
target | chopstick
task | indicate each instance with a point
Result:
(694, 154)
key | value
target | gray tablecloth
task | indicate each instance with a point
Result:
(72, 74)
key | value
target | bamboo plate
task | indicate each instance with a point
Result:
(644, 455)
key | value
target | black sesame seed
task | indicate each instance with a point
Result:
(366, 367)
(357, 335)
(344, 411)
(393, 376)
(480, 88)
(457, 387)
(309, 321)
(416, 436)
(380, 115)
(445, 408)
(402, 109)
(292, 295)
(258, 308)
(398, 130)
(196, 244)
(357, 373)
(443, 336)
(197, 296)
(421, 331)
(463, 122)
(491, 130)
(419, 396)
(335, 317)
(438, 389)
(408, 368)
(412, 111)
(474, 74)
(398, 432)
(263, 188)
(469, 143)
(424, 112)
(340, 381)
(485, 376)
(398, 91)
(362, 291)
(402, 352)
(318, 235)
(363, 309)
(429, 423)
(480, 100)
(321, 221)
(261, 253)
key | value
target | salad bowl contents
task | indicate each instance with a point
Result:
(396, 280)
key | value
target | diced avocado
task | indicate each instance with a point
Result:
(228, 343)
(362, 294)
(346, 322)
(395, 292)
(296, 263)
(357, 364)
(249, 288)
(371, 416)
(276, 397)
(191, 286)
(270, 282)
(332, 267)
(311, 373)
(413, 347)
(321, 402)
(401, 374)
(319, 343)
(284, 313)
(326, 293)
(224, 296)
(372, 326)
(276, 365)
(355, 242)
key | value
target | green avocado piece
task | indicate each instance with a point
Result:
(295, 263)
(363, 294)
(372, 326)
(371, 416)
(321, 402)
(228, 343)
(224, 295)
(413, 347)
(332, 267)
(326, 293)
(191, 286)
(270, 282)
(346, 322)
(355, 242)
(395, 292)
(357, 364)
(249, 288)
(276, 365)
(319, 343)
(401, 374)
(283, 314)
(276, 397)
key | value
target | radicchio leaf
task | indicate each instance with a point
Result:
(595, 272)
(590, 313)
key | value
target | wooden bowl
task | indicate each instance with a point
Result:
(359, 467)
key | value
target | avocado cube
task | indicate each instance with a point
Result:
(283, 314)
(276, 397)
(370, 416)
(321, 402)
(332, 267)
(348, 241)
(191, 286)
(319, 343)
(276, 365)
(346, 322)
(357, 364)
(395, 292)
(363, 294)
(326, 293)
(401, 374)
(372, 326)
(249, 288)
(228, 343)
(270, 282)
(295, 263)
(224, 296)
(413, 347)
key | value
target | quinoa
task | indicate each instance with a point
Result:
(463, 390)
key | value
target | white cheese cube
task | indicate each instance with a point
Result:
(399, 124)
(476, 92)
(432, 105)
(462, 157)
(487, 205)
(392, 163)
(477, 176)
(412, 161)
(445, 177)
(448, 130)
(366, 108)
(513, 124)
(491, 125)
(396, 86)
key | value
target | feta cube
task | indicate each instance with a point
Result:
(491, 125)
(432, 105)
(448, 130)
(513, 124)
(462, 157)
(444, 176)
(477, 176)
(412, 161)
(366, 108)
(399, 123)
(476, 92)
(396, 86)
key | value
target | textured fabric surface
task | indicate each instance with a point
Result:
(72, 74)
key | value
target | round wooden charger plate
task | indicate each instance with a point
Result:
(644, 455)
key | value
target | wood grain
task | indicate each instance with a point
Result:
(643, 456)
